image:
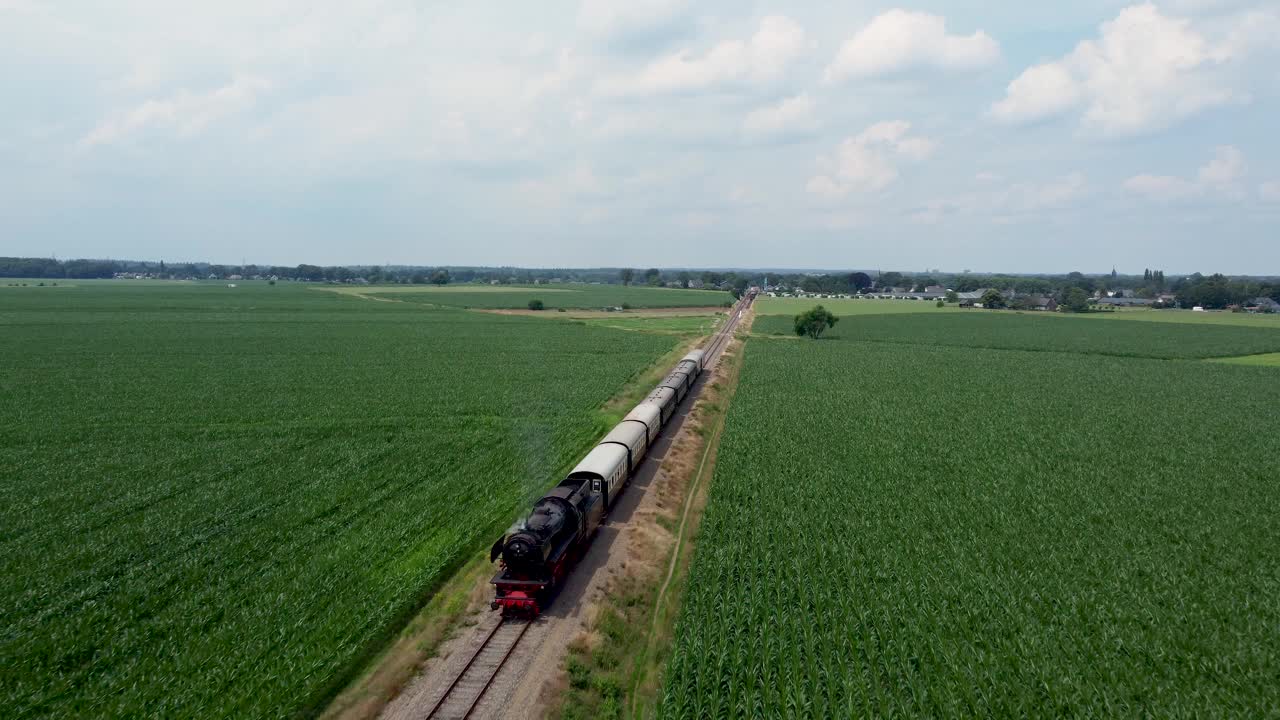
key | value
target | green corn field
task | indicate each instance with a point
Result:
(1048, 332)
(916, 530)
(219, 502)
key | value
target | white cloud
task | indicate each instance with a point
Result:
(620, 19)
(934, 212)
(1055, 194)
(789, 114)
(1222, 174)
(185, 113)
(1270, 191)
(762, 58)
(1161, 187)
(1040, 92)
(899, 40)
(866, 163)
(1146, 70)
(1226, 167)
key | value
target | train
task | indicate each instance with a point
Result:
(536, 555)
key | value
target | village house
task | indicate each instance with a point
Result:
(1263, 305)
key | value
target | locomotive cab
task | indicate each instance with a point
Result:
(536, 555)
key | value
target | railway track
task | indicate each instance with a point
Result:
(462, 695)
(722, 337)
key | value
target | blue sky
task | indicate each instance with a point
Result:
(995, 135)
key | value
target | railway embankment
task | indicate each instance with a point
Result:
(440, 630)
(613, 665)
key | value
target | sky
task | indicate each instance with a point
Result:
(990, 135)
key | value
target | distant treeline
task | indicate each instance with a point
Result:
(1214, 291)
(1211, 291)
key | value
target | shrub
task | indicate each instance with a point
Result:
(579, 674)
(536, 305)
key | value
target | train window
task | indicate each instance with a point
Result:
(595, 485)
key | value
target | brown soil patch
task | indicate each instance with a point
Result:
(596, 314)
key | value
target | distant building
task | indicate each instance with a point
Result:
(1126, 301)
(1263, 304)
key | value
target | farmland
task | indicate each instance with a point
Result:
(1216, 317)
(1044, 332)
(933, 530)
(553, 296)
(219, 501)
(848, 306)
(1265, 360)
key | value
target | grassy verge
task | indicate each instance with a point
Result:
(1265, 360)
(614, 669)
(416, 644)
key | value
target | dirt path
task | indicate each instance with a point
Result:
(618, 314)
(632, 536)
(357, 294)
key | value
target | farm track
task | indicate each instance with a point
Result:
(513, 689)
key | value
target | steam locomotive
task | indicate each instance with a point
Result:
(537, 554)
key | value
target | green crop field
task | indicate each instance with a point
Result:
(1045, 332)
(1267, 360)
(552, 296)
(1213, 317)
(846, 307)
(217, 502)
(849, 306)
(932, 531)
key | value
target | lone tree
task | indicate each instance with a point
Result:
(627, 275)
(859, 281)
(440, 277)
(815, 322)
(1075, 300)
(536, 305)
(953, 296)
(992, 299)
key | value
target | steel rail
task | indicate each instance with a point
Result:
(497, 669)
(471, 662)
(713, 349)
